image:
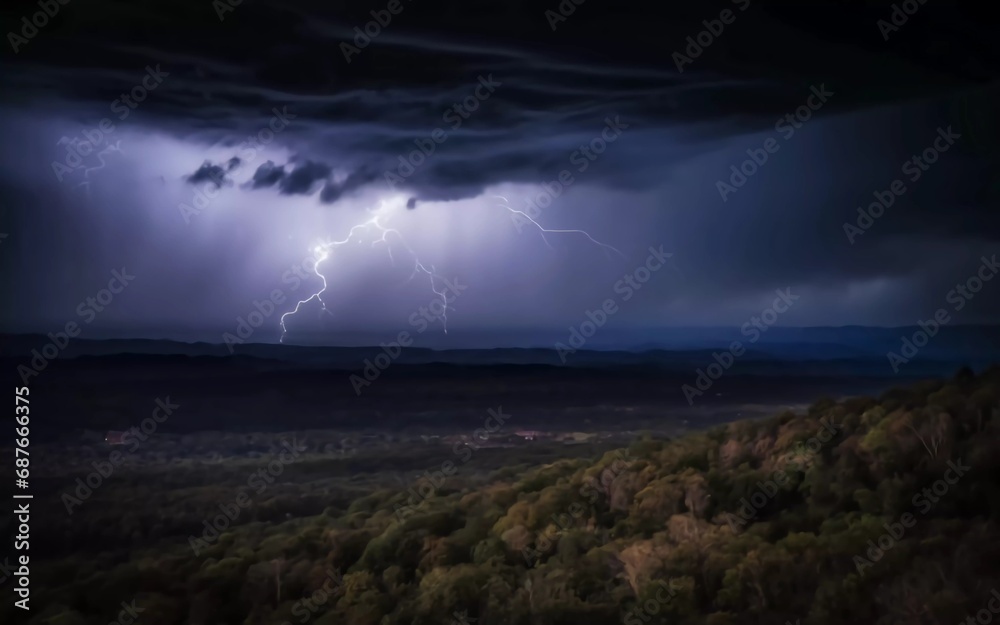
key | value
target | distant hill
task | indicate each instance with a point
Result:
(815, 351)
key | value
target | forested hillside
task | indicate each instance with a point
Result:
(870, 510)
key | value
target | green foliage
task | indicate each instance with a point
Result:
(574, 540)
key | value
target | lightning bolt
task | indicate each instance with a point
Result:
(100, 156)
(543, 231)
(116, 147)
(75, 143)
(377, 224)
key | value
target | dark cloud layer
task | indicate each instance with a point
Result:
(267, 175)
(304, 178)
(300, 179)
(213, 173)
(557, 85)
(357, 179)
(390, 107)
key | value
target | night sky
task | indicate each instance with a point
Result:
(268, 129)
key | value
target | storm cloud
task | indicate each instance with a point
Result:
(213, 173)
(267, 175)
(408, 119)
